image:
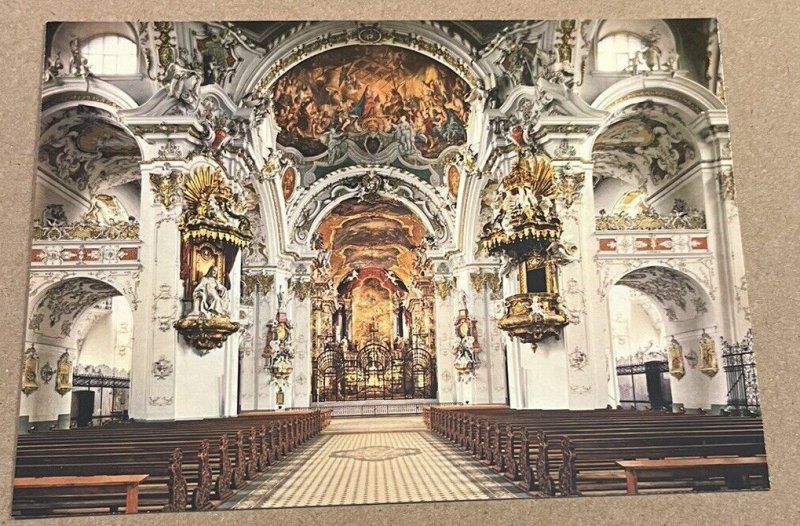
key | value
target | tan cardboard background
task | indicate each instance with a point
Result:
(759, 54)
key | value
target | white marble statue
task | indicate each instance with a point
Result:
(210, 297)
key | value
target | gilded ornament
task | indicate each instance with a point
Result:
(214, 208)
(708, 356)
(532, 317)
(167, 187)
(300, 288)
(257, 282)
(444, 287)
(64, 374)
(677, 367)
(208, 333)
(30, 368)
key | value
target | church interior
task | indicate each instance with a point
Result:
(484, 259)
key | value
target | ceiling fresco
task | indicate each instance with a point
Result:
(378, 234)
(84, 147)
(650, 148)
(378, 91)
(680, 298)
(65, 302)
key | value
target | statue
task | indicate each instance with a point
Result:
(30, 366)
(53, 69)
(210, 297)
(54, 216)
(677, 368)
(106, 210)
(708, 357)
(182, 78)
(78, 65)
(64, 374)
(403, 134)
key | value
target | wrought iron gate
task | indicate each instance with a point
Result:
(740, 370)
(373, 372)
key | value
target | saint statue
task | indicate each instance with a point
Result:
(677, 368)
(708, 357)
(210, 296)
(63, 374)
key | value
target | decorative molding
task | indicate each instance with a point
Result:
(162, 368)
(160, 401)
(578, 359)
(167, 187)
(651, 220)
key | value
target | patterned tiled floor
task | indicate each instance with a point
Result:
(373, 461)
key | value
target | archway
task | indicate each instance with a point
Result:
(374, 330)
(81, 335)
(663, 331)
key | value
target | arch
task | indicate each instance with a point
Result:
(57, 308)
(679, 295)
(315, 203)
(316, 38)
(685, 95)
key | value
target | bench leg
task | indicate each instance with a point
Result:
(132, 499)
(632, 482)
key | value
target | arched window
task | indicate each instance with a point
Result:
(615, 51)
(111, 55)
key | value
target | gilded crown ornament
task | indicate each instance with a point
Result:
(524, 216)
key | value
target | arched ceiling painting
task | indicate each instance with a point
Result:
(378, 234)
(649, 148)
(65, 302)
(362, 90)
(85, 148)
(680, 298)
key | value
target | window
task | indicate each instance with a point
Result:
(615, 51)
(111, 55)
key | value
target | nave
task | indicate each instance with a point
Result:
(378, 460)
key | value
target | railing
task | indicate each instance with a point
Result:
(354, 410)
(740, 370)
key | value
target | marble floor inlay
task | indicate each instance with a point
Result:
(373, 461)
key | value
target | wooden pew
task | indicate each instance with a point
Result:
(736, 470)
(222, 455)
(40, 486)
(588, 443)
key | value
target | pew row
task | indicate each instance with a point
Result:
(578, 452)
(191, 465)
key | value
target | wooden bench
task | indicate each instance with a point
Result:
(191, 464)
(585, 445)
(736, 470)
(130, 483)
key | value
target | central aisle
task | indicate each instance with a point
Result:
(373, 461)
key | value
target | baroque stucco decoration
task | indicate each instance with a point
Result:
(679, 297)
(87, 148)
(648, 145)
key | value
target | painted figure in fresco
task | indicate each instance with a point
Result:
(661, 151)
(367, 105)
(708, 357)
(404, 135)
(210, 296)
(401, 95)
